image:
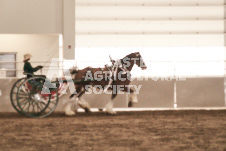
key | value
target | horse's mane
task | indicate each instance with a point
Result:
(131, 55)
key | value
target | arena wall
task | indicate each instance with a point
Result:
(31, 17)
(194, 92)
(201, 92)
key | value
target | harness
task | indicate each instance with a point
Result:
(113, 71)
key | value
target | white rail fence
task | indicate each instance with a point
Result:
(167, 68)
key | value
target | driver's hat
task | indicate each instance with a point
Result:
(27, 56)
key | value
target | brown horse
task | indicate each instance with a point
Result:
(113, 78)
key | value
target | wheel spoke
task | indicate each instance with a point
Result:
(41, 108)
(33, 109)
(23, 101)
(21, 97)
(51, 102)
(25, 94)
(27, 109)
(49, 108)
(38, 108)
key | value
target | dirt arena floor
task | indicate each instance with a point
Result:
(142, 131)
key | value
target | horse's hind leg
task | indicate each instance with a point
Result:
(83, 103)
(67, 108)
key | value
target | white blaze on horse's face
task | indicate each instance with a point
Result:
(140, 63)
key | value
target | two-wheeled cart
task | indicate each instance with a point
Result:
(36, 96)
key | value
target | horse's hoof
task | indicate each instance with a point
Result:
(111, 112)
(130, 104)
(70, 113)
(87, 110)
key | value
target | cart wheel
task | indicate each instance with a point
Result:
(33, 100)
(13, 94)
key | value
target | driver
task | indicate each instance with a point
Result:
(28, 69)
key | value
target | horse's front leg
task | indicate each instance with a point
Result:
(109, 106)
(133, 97)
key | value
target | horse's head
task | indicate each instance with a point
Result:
(131, 59)
(73, 70)
(138, 60)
